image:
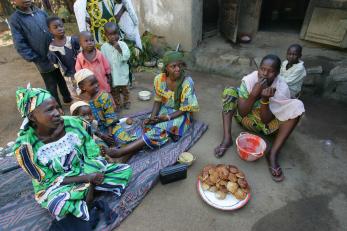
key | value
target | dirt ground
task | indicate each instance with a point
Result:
(312, 197)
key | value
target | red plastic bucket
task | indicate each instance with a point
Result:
(250, 147)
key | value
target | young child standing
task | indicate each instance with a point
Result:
(63, 52)
(92, 59)
(102, 107)
(293, 70)
(31, 39)
(118, 54)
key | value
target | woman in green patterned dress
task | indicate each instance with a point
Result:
(174, 104)
(62, 158)
(262, 104)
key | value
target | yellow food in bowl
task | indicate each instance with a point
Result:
(186, 158)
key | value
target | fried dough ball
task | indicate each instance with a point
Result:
(224, 189)
(246, 190)
(213, 189)
(129, 121)
(243, 183)
(232, 166)
(232, 177)
(240, 175)
(220, 195)
(233, 169)
(240, 194)
(218, 186)
(207, 168)
(223, 182)
(205, 186)
(209, 182)
(223, 172)
(214, 178)
(232, 187)
(212, 171)
(204, 176)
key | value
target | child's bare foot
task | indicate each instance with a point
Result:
(220, 150)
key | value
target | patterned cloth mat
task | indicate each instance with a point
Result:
(24, 213)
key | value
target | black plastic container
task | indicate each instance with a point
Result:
(173, 173)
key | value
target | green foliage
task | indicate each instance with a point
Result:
(64, 14)
(147, 53)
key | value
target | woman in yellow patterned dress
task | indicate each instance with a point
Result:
(174, 103)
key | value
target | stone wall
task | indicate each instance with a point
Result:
(179, 21)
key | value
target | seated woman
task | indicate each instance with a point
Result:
(262, 104)
(174, 103)
(61, 157)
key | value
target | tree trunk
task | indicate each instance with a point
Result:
(6, 7)
(69, 4)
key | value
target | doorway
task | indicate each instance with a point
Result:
(282, 15)
(210, 18)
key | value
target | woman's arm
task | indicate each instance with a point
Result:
(75, 179)
(120, 13)
(244, 106)
(155, 109)
(176, 114)
(94, 178)
(265, 114)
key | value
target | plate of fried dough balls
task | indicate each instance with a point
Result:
(223, 186)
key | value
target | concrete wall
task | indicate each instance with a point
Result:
(179, 21)
(249, 16)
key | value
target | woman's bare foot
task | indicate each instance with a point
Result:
(220, 150)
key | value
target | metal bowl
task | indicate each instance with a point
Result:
(145, 95)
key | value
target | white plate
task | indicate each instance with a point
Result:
(123, 123)
(229, 203)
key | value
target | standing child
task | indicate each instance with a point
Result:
(118, 54)
(92, 59)
(102, 107)
(31, 39)
(293, 70)
(63, 52)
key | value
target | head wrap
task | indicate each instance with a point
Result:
(76, 105)
(30, 98)
(82, 75)
(174, 56)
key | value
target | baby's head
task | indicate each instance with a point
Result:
(294, 53)
(87, 41)
(87, 82)
(82, 109)
(56, 26)
(111, 32)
